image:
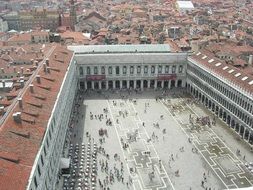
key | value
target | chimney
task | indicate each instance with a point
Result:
(48, 69)
(20, 103)
(36, 63)
(45, 67)
(3, 81)
(47, 62)
(17, 117)
(38, 78)
(31, 88)
(32, 61)
(18, 74)
(250, 59)
(22, 70)
(1, 110)
(14, 69)
(22, 82)
(2, 69)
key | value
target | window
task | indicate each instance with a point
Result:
(102, 70)
(139, 69)
(117, 70)
(42, 161)
(39, 170)
(132, 70)
(44, 149)
(35, 182)
(88, 70)
(124, 70)
(160, 69)
(180, 70)
(110, 70)
(153, 69)
(167, 69)
(173, 68)
(146, 69)
(95, 70)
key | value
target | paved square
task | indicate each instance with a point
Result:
(145, 134)
(227, 165)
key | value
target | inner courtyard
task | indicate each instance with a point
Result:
(130, 139)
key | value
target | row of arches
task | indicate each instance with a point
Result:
(244, 131)
(134, 84)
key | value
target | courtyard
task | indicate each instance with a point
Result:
(153, 140)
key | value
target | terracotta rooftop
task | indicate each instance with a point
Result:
(231, 74)
(20, 142)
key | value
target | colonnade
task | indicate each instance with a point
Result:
(134, 84)
(233, 122)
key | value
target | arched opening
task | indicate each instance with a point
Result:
(217, 110)
(233, 124)
(179, 83)
(103, 85)
(172, 85)
(96, 85)
(237, 127)
(88, 84)
(228, 120)
(131, 84)
(213, 107)
(110, 84)
(124, 84)
(246, 136)
(81, 85)
(145, 84)
(159, 84)
(166, 84)
(224, 116)
(241, 131)
(138, 84)
(117, 84)
(152, 84)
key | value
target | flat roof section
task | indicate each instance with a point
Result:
(140, 48)
(185, 5)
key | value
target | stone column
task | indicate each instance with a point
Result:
(249, 136)
(243, 136)
(85, 85)
(141, 84)
(148, 83)
(134, 84)
(99, 85)
(128, 84)
(120, 84)
(113, 84)
(162, 83)
(92, 85)
(106, 85)
(169, 81)
(155, 86)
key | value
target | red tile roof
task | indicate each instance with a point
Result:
(218, 69)
(19, 143)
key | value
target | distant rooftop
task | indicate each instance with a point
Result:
(98, 49)
(185, 5)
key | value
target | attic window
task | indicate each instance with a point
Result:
(237, 74)
(211, 60)
(199, 53)
(251, 82)
(224, 68)
(217, 64)
(204, 57)
(244, 78)
(231, 71)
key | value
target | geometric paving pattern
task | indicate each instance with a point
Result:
(224, 163)
(129, 129)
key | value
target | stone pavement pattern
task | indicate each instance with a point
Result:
(150, 151)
